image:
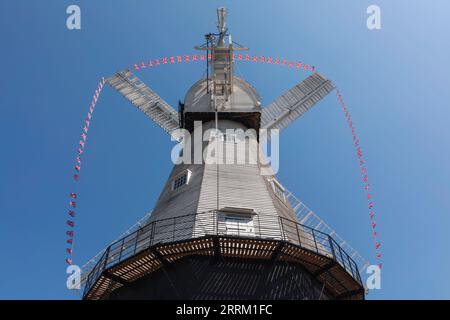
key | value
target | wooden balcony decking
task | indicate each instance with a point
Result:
(339, 283)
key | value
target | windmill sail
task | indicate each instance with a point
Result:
(145, 99)
(295, 102)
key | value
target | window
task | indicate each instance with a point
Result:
(181, 180)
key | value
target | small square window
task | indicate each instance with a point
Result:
(181, 180)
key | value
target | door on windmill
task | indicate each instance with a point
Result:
(239, 226)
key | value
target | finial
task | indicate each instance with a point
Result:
(221, 20)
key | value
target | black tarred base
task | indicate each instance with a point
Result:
(212, 278)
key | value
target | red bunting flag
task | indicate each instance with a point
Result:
(80, 152)
(363, 172)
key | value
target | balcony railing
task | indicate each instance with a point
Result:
(213, 223)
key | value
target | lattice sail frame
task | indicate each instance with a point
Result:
(309, 218)
(146, 100)
(277, 115)
(295, 102)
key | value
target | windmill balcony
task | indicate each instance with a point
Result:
(212, 233)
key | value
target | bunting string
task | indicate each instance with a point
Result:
(73, 196)
(152, 63)
(365, 179)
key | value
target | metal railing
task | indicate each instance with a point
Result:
(308, 217)
(214, 223)
(91, 263)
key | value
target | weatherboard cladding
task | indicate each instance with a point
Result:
(184, 200)
(240, 186)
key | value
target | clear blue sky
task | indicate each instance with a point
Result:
(395, 82)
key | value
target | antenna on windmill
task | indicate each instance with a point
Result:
(219, 65)
(221, 25)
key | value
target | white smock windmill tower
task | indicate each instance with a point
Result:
(223, 227)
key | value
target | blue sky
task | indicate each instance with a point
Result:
(395, 82)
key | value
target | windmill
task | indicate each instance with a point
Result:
(223, 230)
